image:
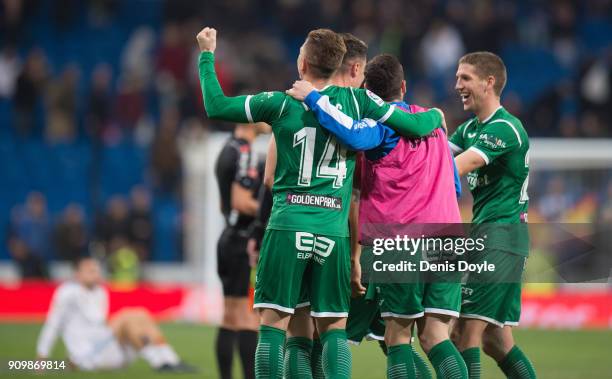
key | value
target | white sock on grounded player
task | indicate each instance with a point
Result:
(159, 355)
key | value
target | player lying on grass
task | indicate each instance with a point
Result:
(493, 150)
(423, 192)
(306, 245)
(79, 312)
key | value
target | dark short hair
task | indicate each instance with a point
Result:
(324, 50)
(355, 49)
(384, 75)
(488, 64)
(76, 262)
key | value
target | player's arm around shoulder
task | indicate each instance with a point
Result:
(354, 134)
(406, 124)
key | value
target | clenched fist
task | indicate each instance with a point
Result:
(207, 39)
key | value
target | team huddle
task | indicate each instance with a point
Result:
(344, 163)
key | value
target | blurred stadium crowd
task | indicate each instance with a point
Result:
(97, 96)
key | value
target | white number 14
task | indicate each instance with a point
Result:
(305, 138)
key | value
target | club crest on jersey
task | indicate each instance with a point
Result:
(308, 244)
(375, 98)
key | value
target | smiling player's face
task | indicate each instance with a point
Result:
(470, 87)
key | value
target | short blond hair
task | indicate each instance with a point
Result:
(488, 64)
(324, 50)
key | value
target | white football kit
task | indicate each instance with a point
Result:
(79, 315)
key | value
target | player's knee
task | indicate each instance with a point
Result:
(397, 332)
(455, 335)
(495, 345)
(430, 338)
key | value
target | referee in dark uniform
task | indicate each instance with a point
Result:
(238, 175)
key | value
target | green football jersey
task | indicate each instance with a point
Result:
(314, 173)
(499, 187)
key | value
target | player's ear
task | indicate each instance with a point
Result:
(490, 83)
(355, 69)
(403, 88)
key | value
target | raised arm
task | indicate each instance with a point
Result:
(217, 105)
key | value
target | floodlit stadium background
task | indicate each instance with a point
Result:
(105, 148)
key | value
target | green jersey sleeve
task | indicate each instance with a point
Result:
(496, 139)
(406, 124)
(265, 106)
(457, 140)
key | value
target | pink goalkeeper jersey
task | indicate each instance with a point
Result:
(412, 185)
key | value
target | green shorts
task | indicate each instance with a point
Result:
(292, 264)
(494, 297)
(364, 320)
(413, 300)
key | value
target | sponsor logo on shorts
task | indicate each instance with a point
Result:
(311, 200)
(307, 244)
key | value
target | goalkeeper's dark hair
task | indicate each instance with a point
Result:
(76, 262)
(324, 50)
(355, 49)
(384, 75)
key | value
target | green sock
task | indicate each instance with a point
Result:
(316, 360)
(447, 361)
(297, 358)
(383, 347)
(421, 367)
(336, 354)
(516, 365)
(471, 357)
(400, 362)
(269, 353)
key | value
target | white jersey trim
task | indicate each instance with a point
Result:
(513, 129)
(440, 311)
(282, 108)
(374, 337)
(247, 108)
(397, 315)
(336, 114)
(274, 306)
(329, 314)
(483, 318)
(480, 152)
(491, 115)
(387, 115)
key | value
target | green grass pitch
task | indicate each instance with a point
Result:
(556, 354)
